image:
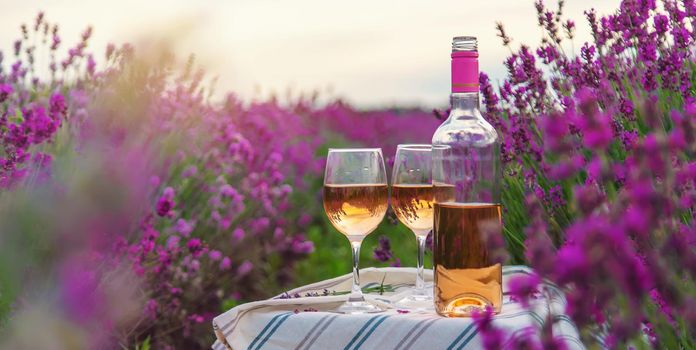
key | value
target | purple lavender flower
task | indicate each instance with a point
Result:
(244, 268)
(215, 255)
(184, 227)
(5, 91)
(166, 202)
(524, 288)
(189, 171)
(301, 246)
(575, 264)
(382, 252)
(225, 264)
(151, 309)
(492, 338)
(91, 65)
(238, 234)
(195, 247)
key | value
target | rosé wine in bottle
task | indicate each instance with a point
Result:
(466, 183)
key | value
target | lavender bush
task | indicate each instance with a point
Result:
(134, 208)
(599, 150)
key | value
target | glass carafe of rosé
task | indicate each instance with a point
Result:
(466, 179)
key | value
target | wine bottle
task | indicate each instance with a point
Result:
(466, 182)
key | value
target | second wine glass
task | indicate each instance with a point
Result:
(412, 201)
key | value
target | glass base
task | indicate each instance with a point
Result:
(358, 307)
(416, 302)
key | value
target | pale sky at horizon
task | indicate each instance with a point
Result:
(372, 53)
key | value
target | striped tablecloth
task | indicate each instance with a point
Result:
(301, 322)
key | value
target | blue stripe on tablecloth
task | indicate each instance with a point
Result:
(532, 314)
(270, 333)
(537, 317)
(460, 336)
(320, 332)
(567, 320)
(411, 332)
(268, 325)
(357, 335)
(370, 332)
(471, 336)
(418, 334)
(311, 332)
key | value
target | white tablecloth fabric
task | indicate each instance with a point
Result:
(302, 323)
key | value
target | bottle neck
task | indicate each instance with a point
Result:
(465, 73)
(465, 102)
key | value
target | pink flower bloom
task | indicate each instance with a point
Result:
(91, 64)
(238, 234)
(154, 181)
(229, 191)
(215, 255)
(225, 264)
(190, 171)
(301, 246)
(195, 318)
(151, 309)
(166, 202)
(5, 91)
(173, 242)
(195, 247)
(278, 233)
(245, 268)
(184, 227)
(523, 288)
(194, 265)
(304, 220)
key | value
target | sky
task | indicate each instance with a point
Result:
(372, 53)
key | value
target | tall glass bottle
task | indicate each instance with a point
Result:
(466, 179)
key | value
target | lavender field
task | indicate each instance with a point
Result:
(135, 205)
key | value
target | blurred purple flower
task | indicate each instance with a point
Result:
(225, 264)
(492, 338)
(244, 268)
(5, 91)
(195, 247)
(215, 255)
(238, 234)
(151, 309)
(382, 252)
(525, 287)
(166, 202)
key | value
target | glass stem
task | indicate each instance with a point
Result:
(356, 293)
(420, 283)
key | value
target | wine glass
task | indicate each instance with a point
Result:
(412, 201)
(355, 200)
